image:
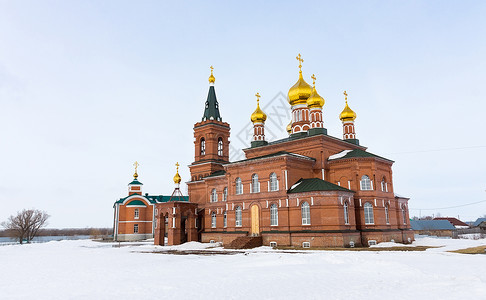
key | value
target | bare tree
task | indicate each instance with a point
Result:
(26, 224)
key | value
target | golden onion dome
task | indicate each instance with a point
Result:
(211, 77)
(258, 115)
(315, 100)
(177, 177)
(301, 90)
(289, 127)
(347, 114)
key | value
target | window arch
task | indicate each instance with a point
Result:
(365, 183)
(220, 146)
(214, 195)
(213, 220)
(136, 213)
(273, 215)
(404, 214)
(225, 194)
(305, 210)
(238, 216)
(239, 186)
(273, 182)
(368, 213)
(225, 219)
(203, 146)
(387, 214)
(255, 185)
(346, 212)
(135, 228)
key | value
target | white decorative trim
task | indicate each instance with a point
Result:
(312, 200)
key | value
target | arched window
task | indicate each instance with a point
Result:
(387, 214)
(368, 212)
(365, 183)
(213, 220)
(305, 210)
(346, 213)
(225, 219)
(225, 194)
(273, 182)
(404, 215)
(273, 215)
(214, 195)
(255, 185)
(220, 146)
(239, 186)
(203, 146)
(238, 216)
(384, 187)
(135, 228)
(137, 214)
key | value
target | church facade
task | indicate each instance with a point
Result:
(309, 189)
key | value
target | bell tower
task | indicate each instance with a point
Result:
(211, 138)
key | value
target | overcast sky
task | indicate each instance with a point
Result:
(88, 87)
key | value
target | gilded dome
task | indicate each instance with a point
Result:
(289, 127)
(177, 177)
(258, 115)
(347, 114)
(299, 92)
(315, 100)
(211, 77)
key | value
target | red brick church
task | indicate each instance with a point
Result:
(309, 189)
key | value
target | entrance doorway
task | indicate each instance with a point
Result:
(255, 220)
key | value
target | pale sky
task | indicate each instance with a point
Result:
(89, 87)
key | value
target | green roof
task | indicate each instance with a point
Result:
(315, 184)
(135, 181)
(136, 202)
(211, 110)
(359, 153)
(153, 199)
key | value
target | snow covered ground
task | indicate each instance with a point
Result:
(86, 269)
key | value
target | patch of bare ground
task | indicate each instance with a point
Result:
(472, 250)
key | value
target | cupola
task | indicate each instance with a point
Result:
(301, 90)
(258, 116)
(315, 100)
(347, 114)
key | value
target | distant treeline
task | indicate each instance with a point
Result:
(96, 232)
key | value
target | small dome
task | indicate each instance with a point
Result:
(299, 92)
(347, 114)
(211, 77)
(177, 177)
(258, 115)
(315, 100)
(289, 127)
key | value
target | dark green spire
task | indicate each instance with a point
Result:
(211, 110)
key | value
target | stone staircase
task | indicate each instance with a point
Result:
(245, 242)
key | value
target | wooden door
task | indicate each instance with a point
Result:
(255, 220)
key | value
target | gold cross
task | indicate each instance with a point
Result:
(313, 80)
(299, 58)
(211, 70)
(345, 96)
(258, 97)
(136, 164)
(177, 166)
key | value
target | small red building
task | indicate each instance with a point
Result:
(309, 189)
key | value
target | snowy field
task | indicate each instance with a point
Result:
(86, 269)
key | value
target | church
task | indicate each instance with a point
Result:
(309, 189)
